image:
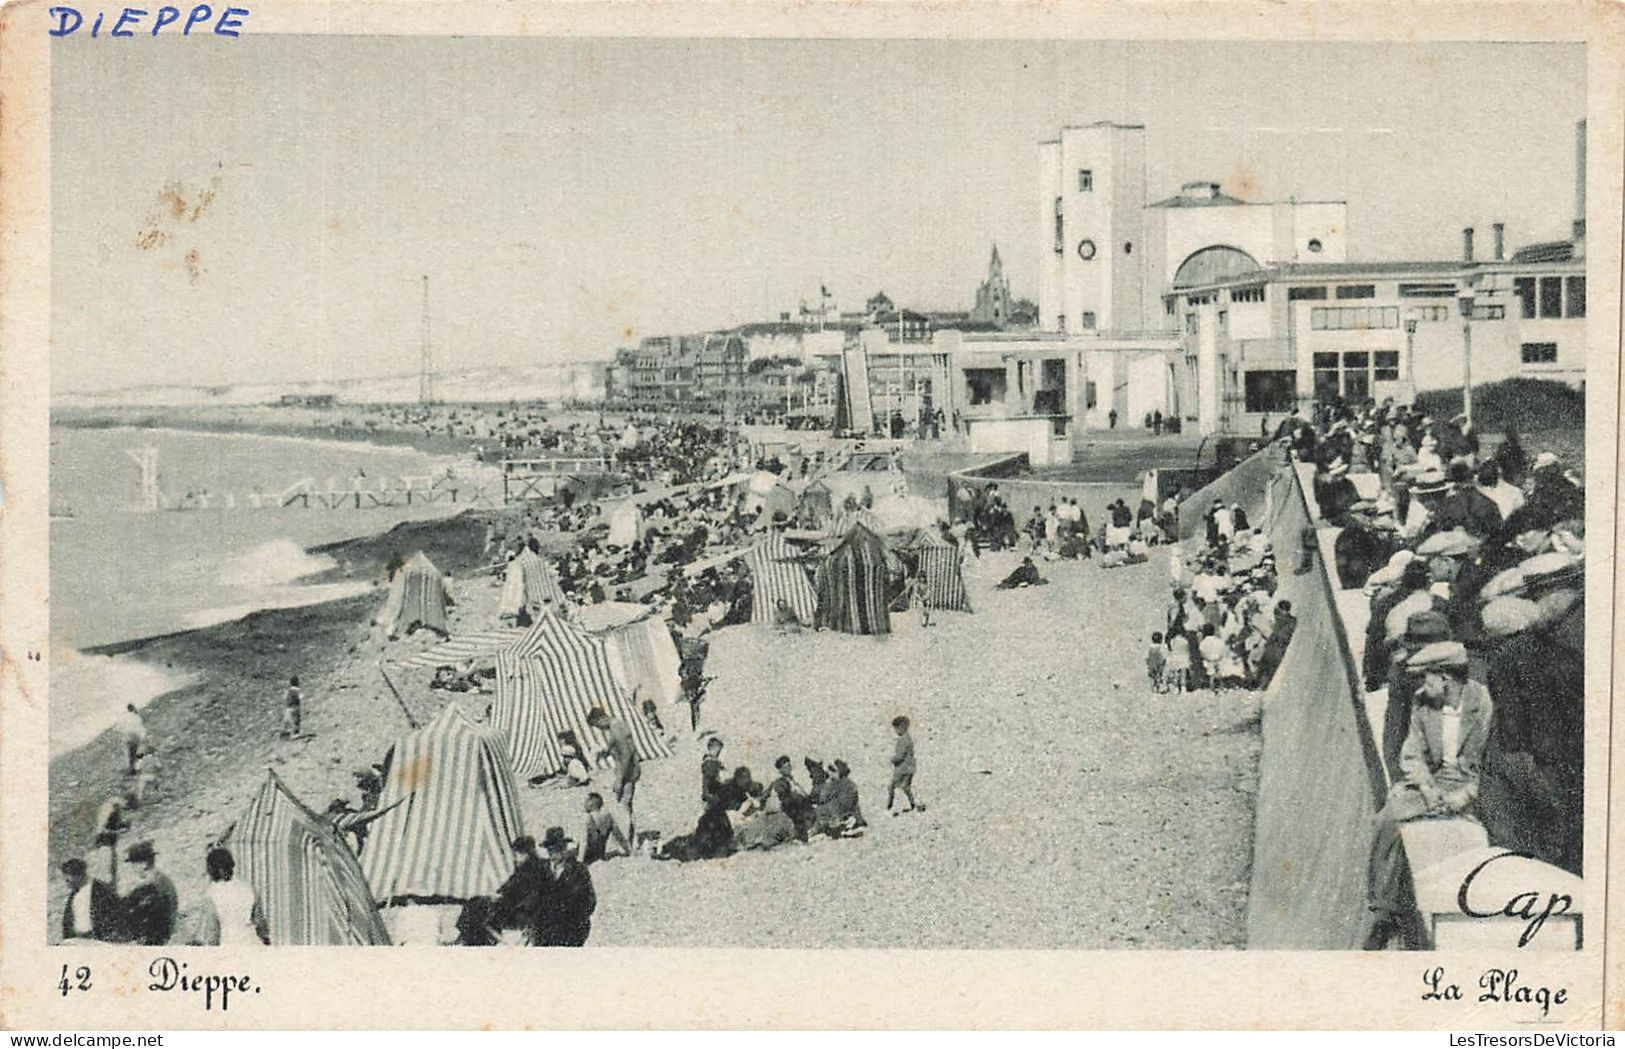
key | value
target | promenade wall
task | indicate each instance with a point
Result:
(1320, 777)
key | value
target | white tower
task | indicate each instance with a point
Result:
(1093, 215)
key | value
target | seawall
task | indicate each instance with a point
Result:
(1320, 780)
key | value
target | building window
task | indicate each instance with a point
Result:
(1539, 353)
(1428, 314)
(1060, 322)
(1086, 180)
(1086, 250)
(1224, 322)
(1490, 313)
(1356, 291)
(1060, 229)
(1385, 366)
(1435, 290)
(1270, 391)
(1128, 247)
(1551, 296)
(1190, 323)
(1089, 393)
(1577, 296)
(1353, 318)
(1252, 294)
(1294, 294)
(1525, 289)
(1169, 304)
(1314, 245)
(1088, 320)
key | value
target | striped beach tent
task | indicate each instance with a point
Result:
(843, 521)
(480, 647)
(417, 598)
(851, 585)
(641, 651)
(777, 574)
(455, 815)
(942, 584)
(308, 882)
(529, 584)
(547, 683)
(817, 505)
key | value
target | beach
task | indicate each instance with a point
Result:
(1052, 775)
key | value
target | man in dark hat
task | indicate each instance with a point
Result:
(151, 907)
(1421, 629)
(519, 901)
(569, 901)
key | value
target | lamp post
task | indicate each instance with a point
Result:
(1410, 357)
(1465, 298)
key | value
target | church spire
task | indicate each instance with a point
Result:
(994, 266)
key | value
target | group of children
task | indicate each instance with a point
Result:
(1224, 628)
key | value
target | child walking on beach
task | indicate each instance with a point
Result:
(291, 709)
(1156, 663)
(902, 768)
(1179, 663)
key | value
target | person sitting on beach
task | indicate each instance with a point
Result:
(765, 825)
(516, 913)
(793, 801)
(713, 835)
(838, 813)
(575, 761)
(230, 915)
(601, 830)
(1025, 574)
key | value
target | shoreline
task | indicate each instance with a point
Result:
(218, 732)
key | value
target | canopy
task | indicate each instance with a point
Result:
(417, 597)
(481, 647)
(307, 880)
(851, 585)
(455, 814)
(547, 683)
(777, 574)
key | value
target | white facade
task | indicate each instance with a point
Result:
(1092, 219)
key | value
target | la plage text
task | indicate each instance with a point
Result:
(200, 20)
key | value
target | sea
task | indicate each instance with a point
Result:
(118, 573)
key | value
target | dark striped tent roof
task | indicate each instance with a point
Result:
(308, 882)
(417, 597)
(547, 683)
(529, 583)
(455, 814)
(777, 573)
(851, 585)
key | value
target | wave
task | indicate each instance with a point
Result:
(273, 563)
(89, 692)
(277, 597)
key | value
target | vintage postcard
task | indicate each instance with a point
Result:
(808, 515)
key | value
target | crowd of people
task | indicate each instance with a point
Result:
(1225, 627)
(1473, 562)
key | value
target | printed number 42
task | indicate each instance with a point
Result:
(80, 980)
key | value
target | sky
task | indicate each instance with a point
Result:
(264, 209)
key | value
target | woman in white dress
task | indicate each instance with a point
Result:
(231, 914)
